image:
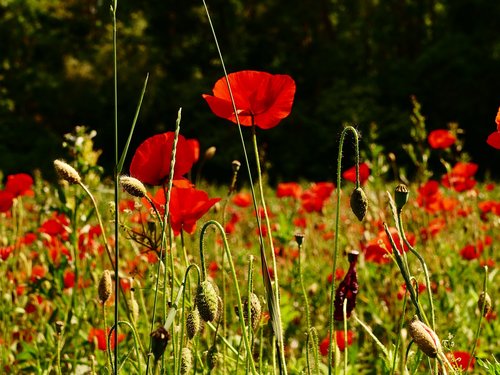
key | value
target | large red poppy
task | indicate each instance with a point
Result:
(187, 206)
(151, 161)
(262, 99)
(441, 139)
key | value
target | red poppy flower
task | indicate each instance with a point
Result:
(461, 177)
(289, 189)
(471, 252)
(195, 148)
(242, 199)
(494, 140)
(261, 98)
(69, 279)
(460, 360)
(99, 336)
(5, 252)
(441, 139)
(151, 161)
(6, 200)
(364, 173)
(187, 206)
(340, 339)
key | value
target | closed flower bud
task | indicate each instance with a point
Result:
(212, 357)
(255, 311)
(105, 287)
(186, 361)
(210, 153)
(484, 303)
(359, 203)
(425, 338)
(401, 196)
(207, 301)
(67, 172)
(133, 186)
(159, 341)
(193, 323)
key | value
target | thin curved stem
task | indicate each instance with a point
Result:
(478, 330)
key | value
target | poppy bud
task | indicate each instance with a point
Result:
(67, 172)
(212, 357)
(210, 153)
(193, 323)
(207, 301)
(347, 289)
(359, 203)
(133, 186)
(299, 238)
(186, 361)
(401, 196)
(425, 338)
(236, 165)
(105, 287)
(484, 302)
(255, 311)
(159, 341)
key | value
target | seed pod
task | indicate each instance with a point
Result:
(193, 323)
(207, 301)
(484, 301)
(133, 186)
(401, 196)
(67, 172)
(425, 338)
(186, 360)
(359, 203)
(212, 357)
(255, 311)
(105, 287)
(235, 164)
(159, 341)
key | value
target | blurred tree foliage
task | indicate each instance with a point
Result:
(356, 61)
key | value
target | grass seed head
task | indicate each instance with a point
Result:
(484, 302)
(193, 323)
(425, 338)
(105, 287)
(359, 203)
(133, 186)
(207, 301)
(186, 361)
(255, 311)
(212, 357)
(67, 172)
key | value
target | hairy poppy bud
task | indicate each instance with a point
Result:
(193, 323)
(255, 311)
(186, 361)
(133, 186)
(359, 203)
(212, 357)
(347, 289)
(105, 287)
(207, 301)
(67, 172)
(400, 196)
(425, 338)
(484, 302)
(159, 341)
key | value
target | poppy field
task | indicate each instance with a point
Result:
(156, 271)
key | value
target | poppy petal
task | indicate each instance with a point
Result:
(494, 140)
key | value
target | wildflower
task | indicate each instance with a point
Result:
(494, 138)
(314, 198)
(364, 173)
(461, 177)
(460, 360)
(441, 139)
(151, 161)
(194, 146)
(261, 99)
(242, 199)
(19, 184)
(66, 172)
(289, 189)
(347, 289)
(340, 340)
(133, 186)
(100, 338)
(69, 279)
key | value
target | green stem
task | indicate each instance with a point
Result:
(336, 242)
(478, 330)
(235, 281)
(401, 323)
(304, 293)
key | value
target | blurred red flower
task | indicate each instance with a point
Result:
(187, 206)
(6, 200)
(461, 177)
(460, 359)
(441, 139)
(471, 252)
(261, 98)
(314, 198)
(494, 138)
(100, 337)
(151, 161)
(194, 145)
(377, 249)
(5, 252)
(288, 189)
(364, 173)
(242, 199)
(340, 339)
(19, 184)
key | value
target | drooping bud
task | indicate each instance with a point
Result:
(159, 341)
(484, 302)
(425, 338)
(401, 196)
(186, 361)
(133, 186)
(347, 289)
(105, 287)
(207, 301)
(67, 172)
(359, 203)
(193, 323)
(212, 357)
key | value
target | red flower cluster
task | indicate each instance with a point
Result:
(441, 139)
(494, 138)
(471, 251)
(17, 185)
(314, 198)
(100, 338)
(461, 177)
(364, 173)
(289, 189)
(261, 99)
(431, 198)
(340, 339)
(377, 249)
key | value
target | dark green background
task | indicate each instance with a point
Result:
(353, 61)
